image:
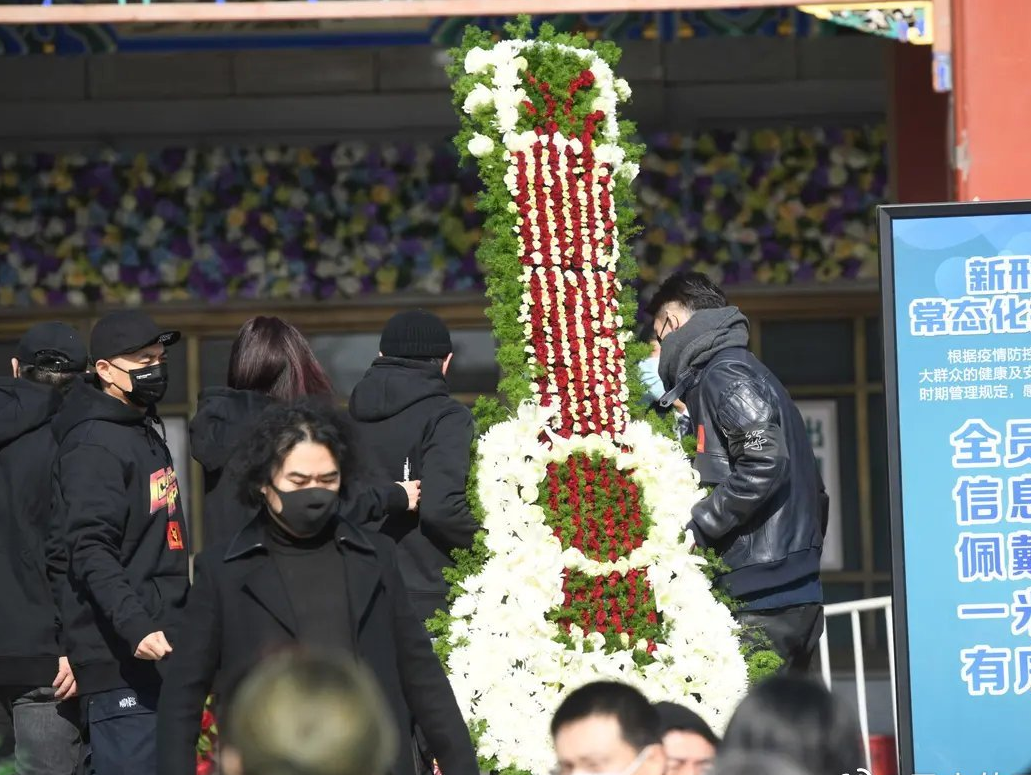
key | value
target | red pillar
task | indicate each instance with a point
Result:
(918, 125)
(992, 99)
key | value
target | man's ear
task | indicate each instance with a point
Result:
(447, 363)
(14, 367)
(103, 370)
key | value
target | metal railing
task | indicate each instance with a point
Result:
(853, 609)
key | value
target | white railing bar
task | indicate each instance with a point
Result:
(889, 622)
(871, 604)
(825, 658)
(857, 649)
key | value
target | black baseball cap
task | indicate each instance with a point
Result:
(52, 345)
(126, 331)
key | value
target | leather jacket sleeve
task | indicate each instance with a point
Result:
(758, 458)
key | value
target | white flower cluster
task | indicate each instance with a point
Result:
(507, 668)
(503, 93)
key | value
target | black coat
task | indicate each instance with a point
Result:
(29, 635)
(239, 612)
(405, 413)
(225, 417)
(125, 551)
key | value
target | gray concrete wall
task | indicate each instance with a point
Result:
(142, 100)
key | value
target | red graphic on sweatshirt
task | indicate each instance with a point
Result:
(175, 536)
(164, 491)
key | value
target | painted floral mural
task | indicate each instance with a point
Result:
(759, 206)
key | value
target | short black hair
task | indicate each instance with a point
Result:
(797, 718)
(677, 718)
(638, 720)
(280, 428)
(60, 380)
(692, 289)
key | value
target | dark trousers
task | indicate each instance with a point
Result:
(122, 728)
(44, 733)
(794, 633)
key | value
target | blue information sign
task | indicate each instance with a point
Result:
(956, 283)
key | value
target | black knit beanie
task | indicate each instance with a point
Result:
(415, 334)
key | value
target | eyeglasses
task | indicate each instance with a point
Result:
(630, 769)
(671, 325)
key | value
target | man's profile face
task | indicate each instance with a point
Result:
(669, 318)
(687, 753)
(595, 744)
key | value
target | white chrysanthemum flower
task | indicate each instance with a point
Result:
(480, 145)
(479, 97)
(477, 60)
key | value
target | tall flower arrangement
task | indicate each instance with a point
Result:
(581, 572)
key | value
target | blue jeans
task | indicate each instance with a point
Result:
(122, 732)
(46, 732)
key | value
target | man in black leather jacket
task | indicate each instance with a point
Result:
(766, 514)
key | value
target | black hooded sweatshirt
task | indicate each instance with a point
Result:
(29, 636)
(127, 557)
(225, 418)
(406, 415)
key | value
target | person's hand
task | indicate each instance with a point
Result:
(414, 491)
(154, 647)
(65, 681)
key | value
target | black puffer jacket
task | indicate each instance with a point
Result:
(29, 635)
(767, 513)
(405, 414)
(225, 417)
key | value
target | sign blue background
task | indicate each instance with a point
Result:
(953, 732)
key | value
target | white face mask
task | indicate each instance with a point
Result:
(630, 769)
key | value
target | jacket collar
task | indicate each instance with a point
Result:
(265, 584)
(252, 538)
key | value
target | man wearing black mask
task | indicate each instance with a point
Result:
(127, 553)
(37, 686)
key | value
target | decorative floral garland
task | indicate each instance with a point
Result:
(581, 571)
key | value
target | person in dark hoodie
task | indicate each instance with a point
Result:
(270, 361)
(767, 513)
(411, 428)
(37, 685)
(117, 497)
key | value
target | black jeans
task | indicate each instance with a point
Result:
(794, 632)
(46, 738)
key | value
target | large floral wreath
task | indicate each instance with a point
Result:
(582, 571)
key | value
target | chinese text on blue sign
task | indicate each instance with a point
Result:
(962, 307)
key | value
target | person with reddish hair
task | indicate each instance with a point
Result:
(271, 361)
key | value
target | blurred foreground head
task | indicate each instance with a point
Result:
(301, 713)
(799, 720)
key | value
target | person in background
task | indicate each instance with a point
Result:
(270, 361)
(411, 428)
(309, 714)
(302, 572)
(689, 743)
(37, 685)
(798, 719)
(607, 728)
(117, 502)
(738, 763)
(767, 512)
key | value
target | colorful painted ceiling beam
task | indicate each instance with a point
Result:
(907, 22)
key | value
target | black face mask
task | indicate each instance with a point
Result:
(149, 383)
(305, 512)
